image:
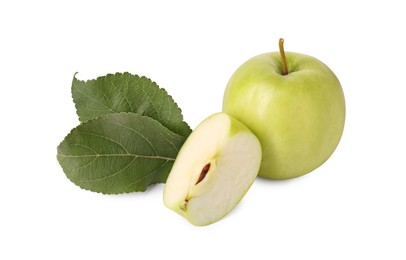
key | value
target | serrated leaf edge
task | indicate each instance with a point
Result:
(98, 118)
(124, 73)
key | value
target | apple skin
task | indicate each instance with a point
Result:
(298, 118)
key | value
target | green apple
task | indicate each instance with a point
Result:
(213, 171)
(294, 104)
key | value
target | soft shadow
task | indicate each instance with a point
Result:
(152, 190)
(264, 181)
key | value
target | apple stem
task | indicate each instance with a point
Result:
(282, 52)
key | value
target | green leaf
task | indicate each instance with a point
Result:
(119, 153)
(124, 92)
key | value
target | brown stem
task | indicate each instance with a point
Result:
(282, 52)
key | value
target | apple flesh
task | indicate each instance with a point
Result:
(213, 170)
(298, 117)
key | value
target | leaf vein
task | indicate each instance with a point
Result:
(111, 175)
(118, 155)
(147, 175)
(121, 93)
(95, 100)
(172, 144)
(109, 139)
(135, 131)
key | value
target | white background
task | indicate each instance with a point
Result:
(353, 207)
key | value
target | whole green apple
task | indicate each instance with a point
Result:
(294, 104)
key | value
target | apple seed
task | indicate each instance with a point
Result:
(205, 169)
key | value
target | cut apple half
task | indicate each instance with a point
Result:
(213, 170)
